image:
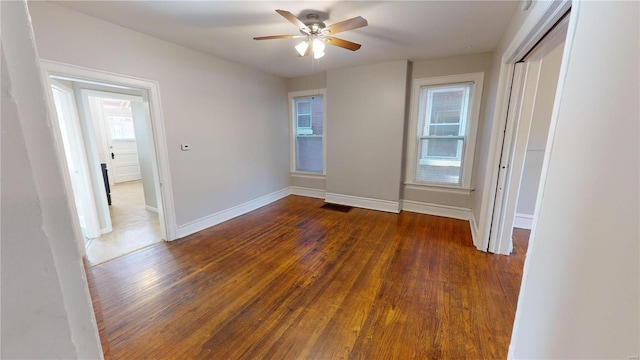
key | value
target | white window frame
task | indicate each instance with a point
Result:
(471, 127)
(293, 119)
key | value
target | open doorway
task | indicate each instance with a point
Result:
(108, 141)
(123, 147)
(531, 104)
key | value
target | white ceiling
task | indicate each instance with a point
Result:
(411, 30)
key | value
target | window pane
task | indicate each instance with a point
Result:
(443, 112)
(304, 121)
(309, 153)
(121, 128)
(441, 148)
(443, 130)
(304, 106)
(440, 161)
(446, 117)
(445, 101)
(308, 133)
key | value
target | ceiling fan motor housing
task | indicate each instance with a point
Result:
(314, 24)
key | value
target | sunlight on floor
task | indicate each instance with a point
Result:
(134, 227)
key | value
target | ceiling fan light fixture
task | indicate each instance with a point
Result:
(318, 48)
(302, 47)
(318, 45)
(316, 33)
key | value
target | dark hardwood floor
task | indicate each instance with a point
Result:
(293, 281)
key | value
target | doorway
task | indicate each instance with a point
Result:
(531, 104)
(116, 161)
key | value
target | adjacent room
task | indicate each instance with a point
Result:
(319, 180)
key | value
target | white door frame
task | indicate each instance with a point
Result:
(77, 146)
(507, 166)
(155, 123)
(544, 15)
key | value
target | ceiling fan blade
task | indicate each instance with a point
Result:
(342, 43)
(278, 37)
(356, 22)
(294, 20)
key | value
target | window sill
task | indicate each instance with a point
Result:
(441, 188)
(308, 175)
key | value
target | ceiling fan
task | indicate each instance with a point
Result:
(316, 34)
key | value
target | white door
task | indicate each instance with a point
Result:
(75, 155)
(112, 119)
(521, 106)
(121, 139)
(124, 160)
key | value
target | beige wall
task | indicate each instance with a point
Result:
(205, 102)
(309, 182)
(418, 69)
(442, 67)
(452, 65)
(311, 82)
(365, 124)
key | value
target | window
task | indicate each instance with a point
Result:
(444, 120)
(121, 127)
(308, 141)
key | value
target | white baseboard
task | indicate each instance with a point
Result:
(523, 221)
(228, 214)
(362, 202)
(474, 233)
(150, 208)
(308, 192)
(436, 209)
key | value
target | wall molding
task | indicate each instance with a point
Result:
(307, 175)
(454, 212)
(151, 208)
(438, 188)
(228, 214)
(363, 202)
(523, 221)
(308, 192)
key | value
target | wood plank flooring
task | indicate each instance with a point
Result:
(293, 281)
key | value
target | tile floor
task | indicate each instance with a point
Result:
(134, 227)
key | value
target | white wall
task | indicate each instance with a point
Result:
(46, 309)
(217, 106)
(580, 296)
(145, 156)
(365, 126)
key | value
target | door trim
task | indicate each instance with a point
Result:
(513, 155)
(166, 205)
(542, 19)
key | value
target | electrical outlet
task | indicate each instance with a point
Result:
(185, 147)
